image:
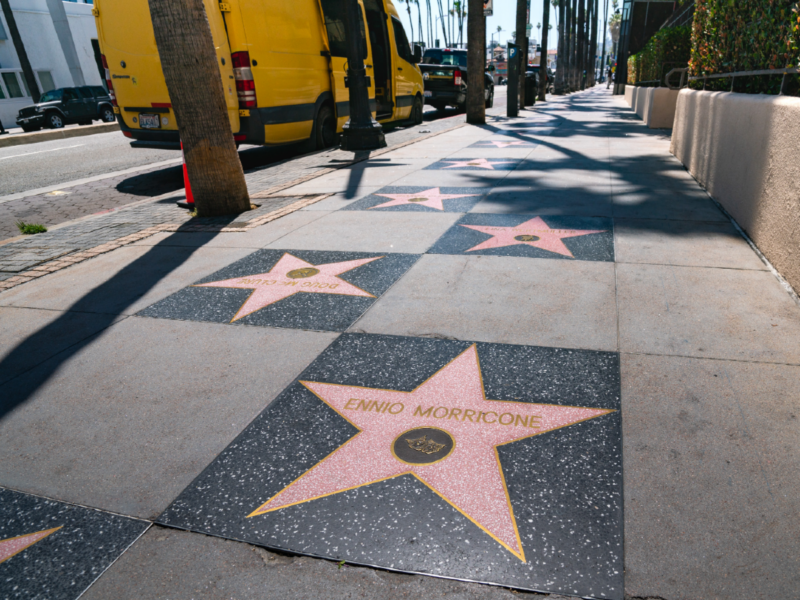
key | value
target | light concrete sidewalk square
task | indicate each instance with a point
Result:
(706, 313)
(512, 300)
(364, 231)
(125, 422)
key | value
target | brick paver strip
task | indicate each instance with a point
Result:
(27, 259)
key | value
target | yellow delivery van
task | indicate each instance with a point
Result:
(282, 66)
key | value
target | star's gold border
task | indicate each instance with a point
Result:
(521, 554)
(16, 537)
(234, 319)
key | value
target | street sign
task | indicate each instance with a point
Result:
(528, 29)
(488, 8)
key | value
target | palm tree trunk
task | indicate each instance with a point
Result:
(581, 43)
(442, 22)
(189, 63)
(593, 44)
(521, 40)
(410, 20)
(419, 21)
(476, 63)
(605, 25)
(543, 59)
(561, 62)
(572, 40)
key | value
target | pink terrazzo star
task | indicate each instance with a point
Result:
(478, 163)
(290, 276)
(505, 144)
(534, 233)
(468, 475)
(431, 198)
(15, 545)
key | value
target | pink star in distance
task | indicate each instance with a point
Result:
(290, 276)
(506, 144)
(478, 163)
(15, 545)
(534, 233)
(431, 198)
(467, 473)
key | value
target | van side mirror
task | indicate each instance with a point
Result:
(417, 54)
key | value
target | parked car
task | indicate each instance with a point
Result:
(551, 77)
(63, 106)
(444, 74)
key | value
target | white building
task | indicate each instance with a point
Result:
(44, 52)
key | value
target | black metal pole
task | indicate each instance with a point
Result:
(361, 132)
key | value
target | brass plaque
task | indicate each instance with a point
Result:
(418, 199)
(423, 446)
(302, 273)
(527, 238)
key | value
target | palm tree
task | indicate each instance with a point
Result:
(410, 20)
(543, 83)
(189, 62)
(460, 11)
(442, 20)
(476, 63)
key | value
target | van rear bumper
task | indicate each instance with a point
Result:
(251, 131)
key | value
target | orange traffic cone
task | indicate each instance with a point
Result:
(186, 184)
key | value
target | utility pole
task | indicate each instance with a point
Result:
(22, 55)
(189, 63)
(361, 132)
(476, 62)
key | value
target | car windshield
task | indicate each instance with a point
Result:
(443, 57)
(51, 96)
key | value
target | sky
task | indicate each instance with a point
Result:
(505, 12)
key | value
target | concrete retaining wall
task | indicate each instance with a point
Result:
(744, 150)
(655, 106)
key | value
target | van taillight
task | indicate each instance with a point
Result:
(245, 86)
(108, 81)
(457, 78)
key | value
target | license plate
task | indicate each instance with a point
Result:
(149, 121)
(428, 94)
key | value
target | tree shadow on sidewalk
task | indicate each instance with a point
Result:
(101, 307)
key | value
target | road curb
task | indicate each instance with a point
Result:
(55, 134)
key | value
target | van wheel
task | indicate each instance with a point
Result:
(325, 128)
(416, 111)
(54, 120)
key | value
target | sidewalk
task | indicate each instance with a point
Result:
(533, 354)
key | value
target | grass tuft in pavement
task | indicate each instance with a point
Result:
(30, 228)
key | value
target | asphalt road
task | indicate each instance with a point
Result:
(61, 180)
(55, 162)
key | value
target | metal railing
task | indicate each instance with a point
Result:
(683, 17)
(733, 76)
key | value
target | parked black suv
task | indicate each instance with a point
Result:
(60, 107)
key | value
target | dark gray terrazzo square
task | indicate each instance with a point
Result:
(63, 564)
(564, 486)
(471, 196)
(462, 164)
(321, 312)
(594, 246)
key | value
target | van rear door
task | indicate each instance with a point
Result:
(126, 38)
(333, 12)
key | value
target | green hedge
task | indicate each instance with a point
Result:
(745, 35)
(668, 49)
